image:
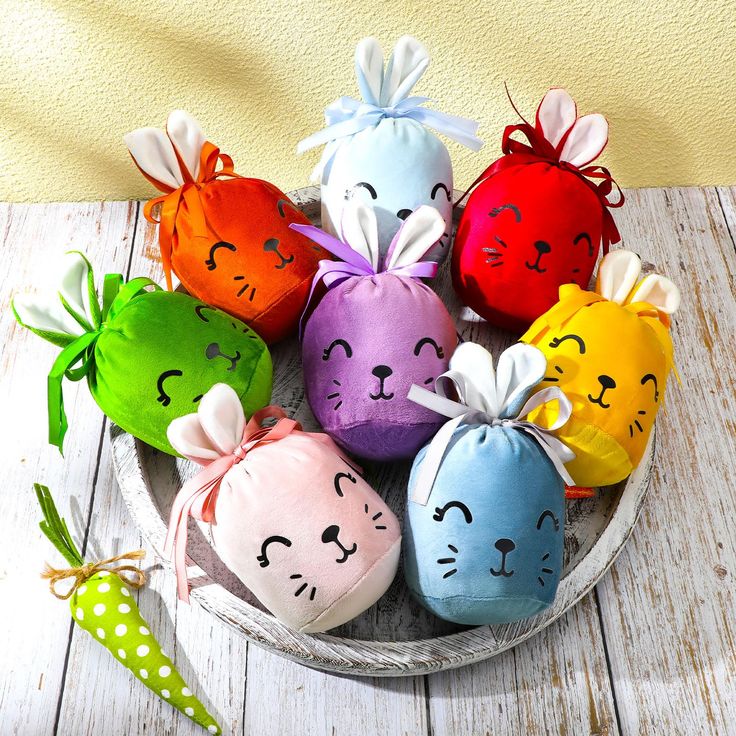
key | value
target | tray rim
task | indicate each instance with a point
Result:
(368, 657)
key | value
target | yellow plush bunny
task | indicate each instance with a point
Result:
(610, 351)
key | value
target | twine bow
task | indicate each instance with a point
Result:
(347, 116)
(198, 496)
(84, 572)
(186, 196)
(491, 399)
(81, 350)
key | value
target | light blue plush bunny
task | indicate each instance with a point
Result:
(381, 149)
(483, 538)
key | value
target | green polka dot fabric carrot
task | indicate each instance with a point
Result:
(102, 605)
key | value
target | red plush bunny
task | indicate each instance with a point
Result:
(537, 216)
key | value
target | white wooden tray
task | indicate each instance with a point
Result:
(396, 636)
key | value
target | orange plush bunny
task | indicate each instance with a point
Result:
(225, 236)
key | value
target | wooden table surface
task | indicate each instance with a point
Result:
(650, 651)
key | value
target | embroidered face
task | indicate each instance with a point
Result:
(525, 231)
(395, 167)
(367, 342)
(484, 549)
(171, 369)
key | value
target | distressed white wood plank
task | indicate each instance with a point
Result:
(35, 625)
(287, 699)
(554, 683)
(668, 606)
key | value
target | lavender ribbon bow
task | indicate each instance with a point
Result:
(347, 116)
(351, 264)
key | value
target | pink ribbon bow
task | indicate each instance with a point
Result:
(198, 496)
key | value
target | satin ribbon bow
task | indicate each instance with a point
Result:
(198, 496)
(81, 350)
(484, 400)
(186, 196)
(351, 263)
(347, 116)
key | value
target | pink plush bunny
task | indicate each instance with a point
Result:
(289, 515)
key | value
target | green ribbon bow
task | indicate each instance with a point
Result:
(81, 349)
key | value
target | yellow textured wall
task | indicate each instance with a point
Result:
(77, 74)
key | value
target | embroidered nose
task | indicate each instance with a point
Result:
(330, 534)
(212, 351)
(403, 214)
(504, 546)
(606, 382)
(542, 247)
(382, 372)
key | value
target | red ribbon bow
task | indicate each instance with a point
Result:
(538, 148)
(198, 496)
(189, 194)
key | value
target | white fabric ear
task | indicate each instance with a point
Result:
(658, 291)
(586, 141)
(519, 369)
(215, 430)
(154, 154)
(556, 114)
(419, 232)
(407, 63)
(618, 273)
(46, 312)
(360, 230)
(187, 138)
(472, 371)
(369, 69)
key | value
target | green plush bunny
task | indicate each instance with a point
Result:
(148, 355)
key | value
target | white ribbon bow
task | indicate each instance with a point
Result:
(494, 397)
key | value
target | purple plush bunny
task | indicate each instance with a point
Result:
(378, 330)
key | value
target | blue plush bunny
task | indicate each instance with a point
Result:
(483, 539)
(381, 148)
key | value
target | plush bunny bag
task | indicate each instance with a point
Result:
(537, 217)
(484, 525)
(289, 515)
(376, 331)
(611, 352)
(148, 355)
(483, 534)
(380, 149)
(225, 236)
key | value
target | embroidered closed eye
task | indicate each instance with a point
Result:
(365, 185)
(210, 262)
(263, 557)
(338, 479)
(285, 203)
(496, 211)
(163, 398)
(337, 343)
(441, 187)
(557, 341)
(586, 238)
(429, 341)
(651, 377)
(547, 514)
(439, 513)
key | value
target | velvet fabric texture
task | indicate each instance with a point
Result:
(226, 237)
(381, 150)
(376, 331)
(487, 549)
(294, 519)
(149, 356)
(537, 218)
(610, 351)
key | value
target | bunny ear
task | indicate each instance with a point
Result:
(420, 231)
(658, 291)
(556, 114)
(519, 369)
(70, 311)
(154, 155)
(369, 69)
(586, 140)
(360, 230)
(187, 138)
(474, 375)
(618, 273)
(215, 430)
(407, 63)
